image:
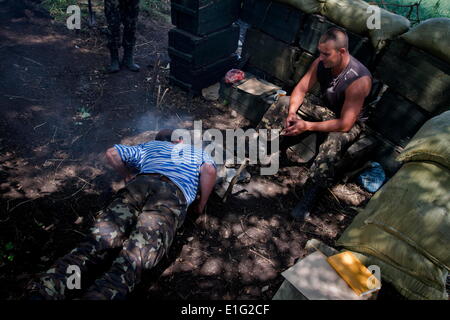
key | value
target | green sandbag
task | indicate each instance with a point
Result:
(308, 6)
(353, 15)
(431, 36)
(413, 274)
(407, 285)
(414, 206)
(431, 142)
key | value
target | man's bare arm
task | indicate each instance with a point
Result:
(354, 101)
(207, 181)
(302, 87)
(114, 160)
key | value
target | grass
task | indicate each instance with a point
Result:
(159, 9)
(58, 8)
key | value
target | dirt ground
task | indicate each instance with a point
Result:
(60, 112)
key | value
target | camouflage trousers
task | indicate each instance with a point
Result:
(332, 145)
(142, 220)
(119, 12)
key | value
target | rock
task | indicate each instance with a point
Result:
(211, 93)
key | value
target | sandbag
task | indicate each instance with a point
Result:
(308, 6)
(431, 142)
(414, 206)
(412, 273)
(353, 15)
(431, 36)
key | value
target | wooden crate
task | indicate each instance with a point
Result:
(276, 59)
(194, 80)
(278, 20)
(250, 97)
(416, 75)
(203, 20)
(200, 51)
(396, 118)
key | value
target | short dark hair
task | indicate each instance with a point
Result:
(337, 35)
(164, 135)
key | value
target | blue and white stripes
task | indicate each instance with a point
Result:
(179, 162)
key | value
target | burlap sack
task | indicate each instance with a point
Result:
(353, 15)
(431, 142)
(432, 35)
(404, 230)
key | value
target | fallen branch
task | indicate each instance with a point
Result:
(18, 205)
(234, 180)
(73, 194)
(265, 258)
(39, 125)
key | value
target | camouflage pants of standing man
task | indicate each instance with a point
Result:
(142, 220)
(119, 12)
(333, 145)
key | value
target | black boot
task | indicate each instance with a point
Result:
(115, 65)
(128, 60)
(303, 209)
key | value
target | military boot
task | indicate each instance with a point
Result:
(114, 66)
(303, 208)
(128, 60)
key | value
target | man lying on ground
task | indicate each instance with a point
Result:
(142, 219)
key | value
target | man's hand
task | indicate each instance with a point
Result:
(299, 126)
(199, 208)
(290, 120)
(207, 181)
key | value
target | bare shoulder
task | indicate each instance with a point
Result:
(359, 87)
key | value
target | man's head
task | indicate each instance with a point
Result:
(166, 135)
(333, 47)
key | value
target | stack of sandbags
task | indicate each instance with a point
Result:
(405, 228)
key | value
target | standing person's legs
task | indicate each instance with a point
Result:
(113, 17)
(161, 216)
(130, 14)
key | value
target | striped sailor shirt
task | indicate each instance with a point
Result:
(179, 162)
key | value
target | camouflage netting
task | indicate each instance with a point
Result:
(405, 228)
(353, 15)
(431, 36)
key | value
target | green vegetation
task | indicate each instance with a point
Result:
(57, 8)
(6, 253)
(427, 8)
